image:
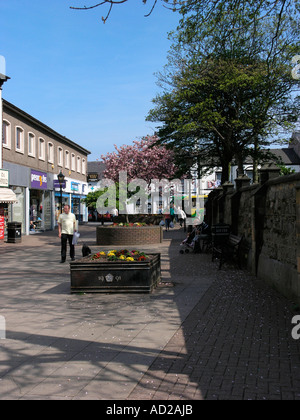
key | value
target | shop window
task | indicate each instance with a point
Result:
(41, 149)
(18, 213)
(60, 156)
(6, 135)
(50, 153)
(36, 209)
(31, 145)
(19, 140)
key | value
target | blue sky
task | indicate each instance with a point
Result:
(91, 82)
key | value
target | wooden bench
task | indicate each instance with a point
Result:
(228, 250)
(219, 236)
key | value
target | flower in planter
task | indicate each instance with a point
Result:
(111, 253)
(122, 255)
(137, 224)
(98, 255)
(112, 257)
(124, 252)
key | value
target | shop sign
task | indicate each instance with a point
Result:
(2, 223)
(93, 177)
(74, 187)
(4, 178)
(56, 184)
(38, 180)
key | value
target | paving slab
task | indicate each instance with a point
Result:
(80, 346)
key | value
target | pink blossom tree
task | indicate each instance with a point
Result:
(142, 160)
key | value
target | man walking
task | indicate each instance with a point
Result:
(66, 229)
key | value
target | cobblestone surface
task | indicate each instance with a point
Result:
(235, 344)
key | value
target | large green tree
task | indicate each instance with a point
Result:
(227, 88)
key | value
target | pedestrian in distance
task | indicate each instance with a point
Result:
(167, 218)
(181, 216)
(172, 213)
(66, 229)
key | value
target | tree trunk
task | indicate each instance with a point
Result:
(255, 163)
(225, 171)
(240, 163)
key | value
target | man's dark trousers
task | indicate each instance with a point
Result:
(64, 239)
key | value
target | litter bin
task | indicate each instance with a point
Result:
(14, 232)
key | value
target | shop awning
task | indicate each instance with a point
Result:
(7, 196)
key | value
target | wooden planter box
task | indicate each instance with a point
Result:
(115, 277)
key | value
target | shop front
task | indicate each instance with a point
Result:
(7, 198)
(72, 195)
(31, 197)
(40, 202)
(65, 200)
(76, 205)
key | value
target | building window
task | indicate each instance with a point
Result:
(19, 140)
(73, 163)
(250, 173)
(83, 166)
(41, 149)
(50, 153)
(60, 156)
(78, 164)
(67, 160)
(31, 145)
(6, 135)
(218, 178)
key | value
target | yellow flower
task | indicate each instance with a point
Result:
(122, 257)
(111, 254)
(129, 259)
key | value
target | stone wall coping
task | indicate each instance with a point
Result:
(128, 227)
(284, 179)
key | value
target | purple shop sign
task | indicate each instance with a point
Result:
(56, 184)
(38, 180)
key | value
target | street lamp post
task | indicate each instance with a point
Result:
(3, 79)
(61, 180)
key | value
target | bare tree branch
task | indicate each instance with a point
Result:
(111, 3)
(151, 9)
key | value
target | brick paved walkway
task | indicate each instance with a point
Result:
(235, 344)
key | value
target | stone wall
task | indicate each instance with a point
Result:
(268, 216)
(277, 262)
